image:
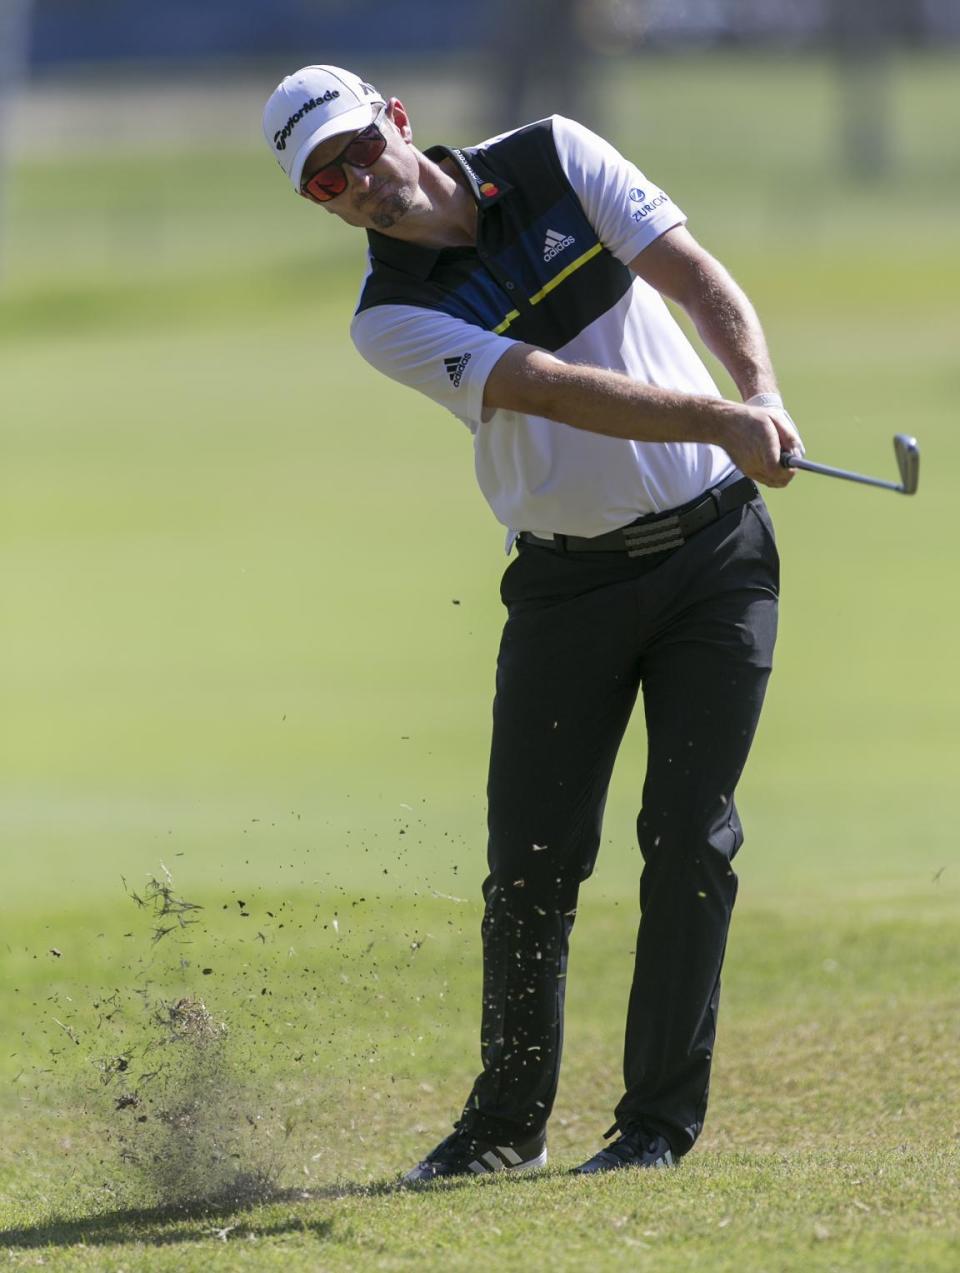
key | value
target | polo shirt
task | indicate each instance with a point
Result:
(560, 215)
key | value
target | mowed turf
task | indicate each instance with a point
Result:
(250, 626)
(830, 1141)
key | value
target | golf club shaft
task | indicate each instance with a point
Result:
(790, 461)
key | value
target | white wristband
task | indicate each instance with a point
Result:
(773, 402)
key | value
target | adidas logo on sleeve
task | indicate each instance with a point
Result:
(456, 367)
(555, 243)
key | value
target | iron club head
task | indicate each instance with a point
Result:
(907, 451)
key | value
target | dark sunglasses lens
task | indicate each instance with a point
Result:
(364, 151)
(327, 183)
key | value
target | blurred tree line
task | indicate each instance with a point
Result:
(546, 49)
(70, 31)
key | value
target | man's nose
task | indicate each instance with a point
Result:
(359, 180)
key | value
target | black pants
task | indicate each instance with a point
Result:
(694, 630)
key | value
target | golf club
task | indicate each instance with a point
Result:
(906, 449)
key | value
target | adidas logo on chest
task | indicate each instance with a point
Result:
(555, 243)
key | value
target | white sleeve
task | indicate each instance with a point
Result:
(624, 207)
(444, 357)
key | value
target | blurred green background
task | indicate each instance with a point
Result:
(250, 620)
(250, 589)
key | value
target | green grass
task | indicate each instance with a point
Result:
(831, 1141)
(230, 557)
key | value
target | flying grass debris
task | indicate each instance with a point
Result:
(189, 1020)
(185, 1119)
(188, 1126)
(159, 897)
(176, 1090)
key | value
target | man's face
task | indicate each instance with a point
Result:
(379, 196)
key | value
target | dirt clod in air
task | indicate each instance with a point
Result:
(185, 1117)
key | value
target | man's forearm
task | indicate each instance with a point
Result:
(533, 382)
(678, 267)
(728, 325)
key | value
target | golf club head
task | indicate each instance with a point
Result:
(907, 451)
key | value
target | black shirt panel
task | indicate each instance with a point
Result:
(538, 272)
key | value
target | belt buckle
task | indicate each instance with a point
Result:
(655, 537)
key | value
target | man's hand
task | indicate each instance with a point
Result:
(773, 403)
(755, 438)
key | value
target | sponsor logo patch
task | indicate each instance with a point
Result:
(455, 368)
(469, 167)
(638, 195)
(280, 138)
(645, 209)
(555, 243)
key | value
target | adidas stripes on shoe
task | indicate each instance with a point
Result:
(463, 1154)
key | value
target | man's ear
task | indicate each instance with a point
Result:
(397, 112)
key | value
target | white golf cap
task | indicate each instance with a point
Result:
(310, 105)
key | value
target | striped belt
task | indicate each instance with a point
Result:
(658, 532)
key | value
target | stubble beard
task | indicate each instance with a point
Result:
(392, 209)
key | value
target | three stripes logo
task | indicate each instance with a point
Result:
(456, 367)
(654, 537)
(556, 243)
(500, 1158)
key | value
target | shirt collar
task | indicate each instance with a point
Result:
(485, 186)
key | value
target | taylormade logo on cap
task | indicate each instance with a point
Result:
(311, 105)
(280, 138)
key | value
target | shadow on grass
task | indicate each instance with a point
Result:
(193, 1222)
(223, 1221)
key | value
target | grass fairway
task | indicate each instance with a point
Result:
(835, 1082)
(250, 619)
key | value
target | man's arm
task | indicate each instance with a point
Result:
(531, 380)
(534, 382)
(679, 268)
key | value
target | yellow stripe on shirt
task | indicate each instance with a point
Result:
(502, 327)
(548, 287)
(565, 273)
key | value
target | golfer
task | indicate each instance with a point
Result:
(520, 284)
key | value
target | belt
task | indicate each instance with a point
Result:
(657, 532)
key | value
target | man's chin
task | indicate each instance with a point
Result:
(389, 212)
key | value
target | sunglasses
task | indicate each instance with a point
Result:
(361, 151)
